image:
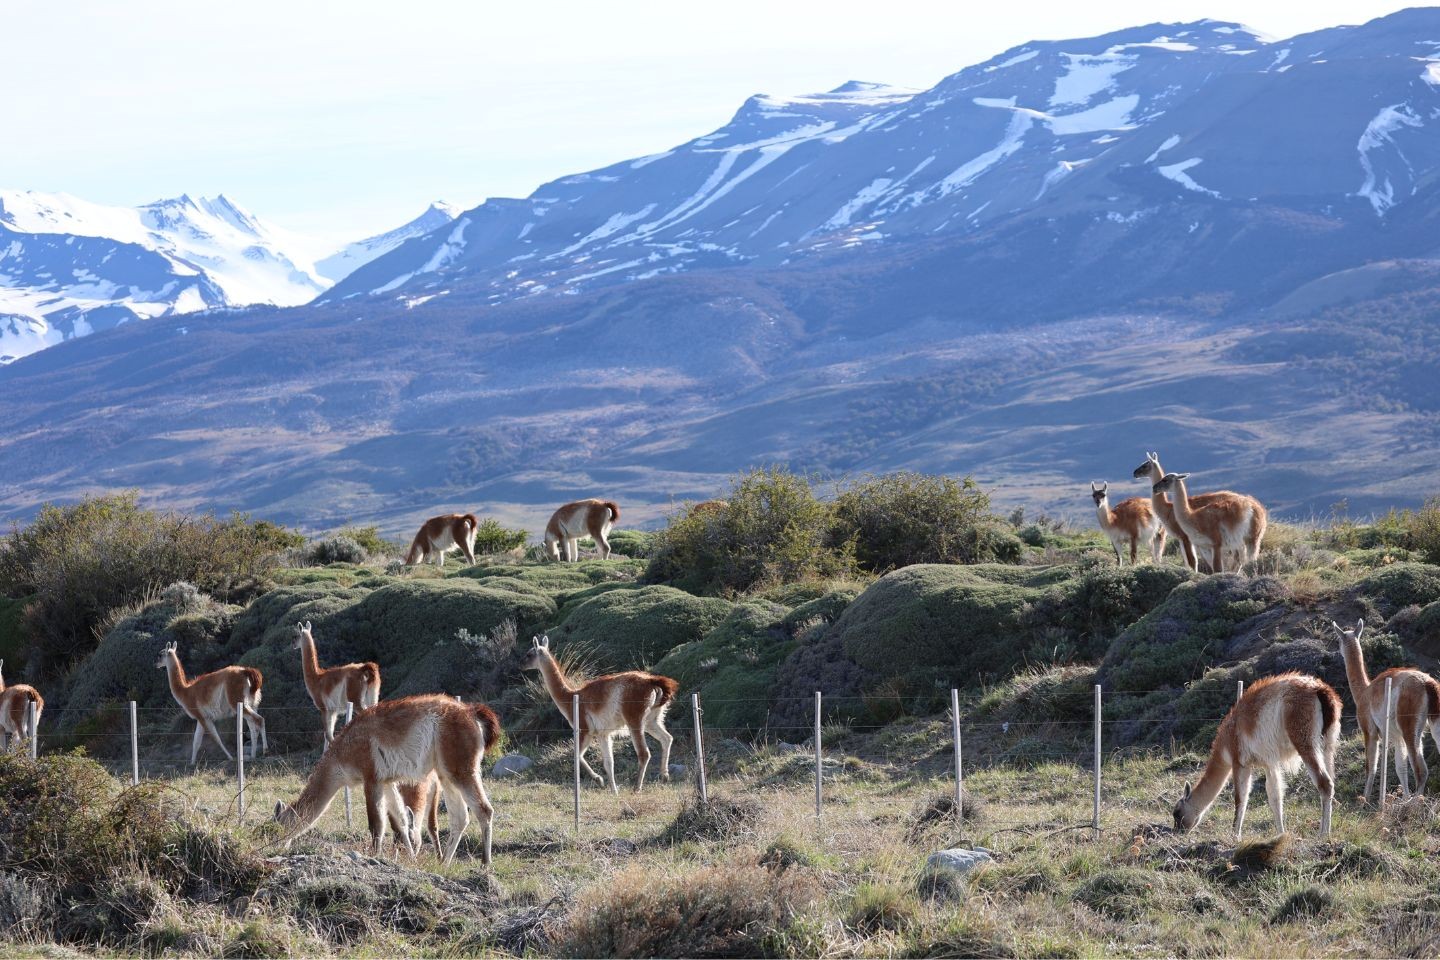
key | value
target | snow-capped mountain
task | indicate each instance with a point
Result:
(351, 257)
(69, 266)
(1344, 121)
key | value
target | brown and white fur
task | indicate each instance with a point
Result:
(573, 521)
(331, 689)
(214, 696)
(1414, 707)
(1226, 531)
(401, 742)
(15, 710)
(1130, 525)
(1279, 724)
(1165, 510)
(439, 535)
(419, 800)
(633, 701)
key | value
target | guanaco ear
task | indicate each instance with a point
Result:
(1359, 628)
(1338, 629)
(1181, 476)
(1187, 791)
(545, 641)
(307, 626)
(279, 808)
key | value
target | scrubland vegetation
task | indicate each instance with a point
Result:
(754, 602)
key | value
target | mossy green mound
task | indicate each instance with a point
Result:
(733, 666)
(629, 629)
(825, 608)
(559, 578)
(930, 625)
(1400, 585)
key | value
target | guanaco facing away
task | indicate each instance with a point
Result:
(1414, 707)
(573, 521)
(1131, 525)
(1279, 724)
(633, 701)
(439, 535)
(15, 710)
(214, 696)
(332, 688)
(400, 742)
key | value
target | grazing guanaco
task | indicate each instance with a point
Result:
(214, 696)
(331, 689)
(633, 701)
(439, 535)
(1131, 524)
(15, 710)
(399, 742)
(1165, 510)
(1226, 531)
(1279, 724)
(573, 521)
(1414, 707)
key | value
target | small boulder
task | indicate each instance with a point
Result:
(678, 769)
(511, 764)
(957, 861)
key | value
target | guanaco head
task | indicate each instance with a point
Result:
(1098, 491)
(1354, 634)
(164, 660)
(286, 816)
(302, 633)
(539, 652)
(1168, 482)
(1150, 468)
(552, 548)
(1185, 815)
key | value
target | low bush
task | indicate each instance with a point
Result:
(905, 518)
(492, 538)
(875, 907)
(721, 818)
(370, 540)
(77, 564)
(629, 629)
(632, 543)
(1399, 585)
(733, 666)
(720, 911)
(770, 529)
(337, 549)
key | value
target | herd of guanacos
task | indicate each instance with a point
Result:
(404, 753)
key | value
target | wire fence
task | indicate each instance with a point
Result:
(1065, 769)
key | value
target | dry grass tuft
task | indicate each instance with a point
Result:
(939, 812)
(1257, 855)
(720, 819)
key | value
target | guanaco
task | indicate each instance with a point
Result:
(1279, 724)
(1414, 706)
(439, 535)
(214, 696)
(1226, 531)
(1131, 524)
(633, 701)
(15, 710)
(400, 742)
(334, 687)
(1165, 510)
(573, 521)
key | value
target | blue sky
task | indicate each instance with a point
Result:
(344, 119)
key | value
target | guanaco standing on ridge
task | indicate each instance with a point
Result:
(1131, 524)
(403, 742)
(635, 701)
(15, 710)
(1165, 510)
(1226, 531)
(439, 535)
(1414, 706)
(214, 696)
(1279, 724)
(573, 521)
(332, 688)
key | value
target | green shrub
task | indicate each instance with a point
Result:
(875, 907)
(632, 543)
(560, 579)
(1401, 584)
(337, 549)
(721, 911)
(733, 666)
(825, 608)
(492, 538)
(770, 529)
(370, 540)
(1123, 894)
(627, 629)
(1307, 902)
(900, 519)
(13, 646)
(77, 564)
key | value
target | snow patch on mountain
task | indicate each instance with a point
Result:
(1380, 134)
(345, 261)
(1176, 172)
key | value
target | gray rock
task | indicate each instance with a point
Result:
(678, 769)
(511, 764)
(957, 861)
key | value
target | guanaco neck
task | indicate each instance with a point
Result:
(1216, 773)
(1355, 671)
(325, 781)
(1104, 514)
(1182, 504)
(310, 661)
(560, 689)
(179, 685)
